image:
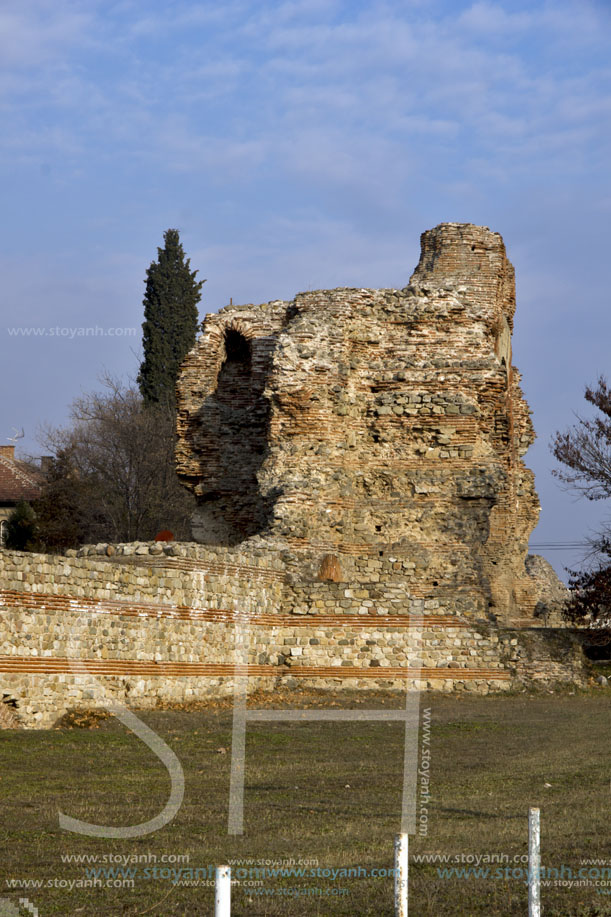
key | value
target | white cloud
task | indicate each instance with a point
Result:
(35, 33)
(309, 69)
(183, 149)
(491, 17)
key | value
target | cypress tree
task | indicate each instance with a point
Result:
(171, 320)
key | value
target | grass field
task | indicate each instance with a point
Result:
(326, 793)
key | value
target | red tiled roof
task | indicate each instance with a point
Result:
(17, 481)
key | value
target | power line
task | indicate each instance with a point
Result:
(560, 545)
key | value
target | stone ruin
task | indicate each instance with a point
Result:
(351, 425)
(363, 514)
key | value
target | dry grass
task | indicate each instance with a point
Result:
(324, 791)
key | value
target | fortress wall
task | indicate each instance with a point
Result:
(155, 628)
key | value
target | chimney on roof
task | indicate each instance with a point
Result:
(8, 452)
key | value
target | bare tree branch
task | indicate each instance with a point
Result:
(113, 473)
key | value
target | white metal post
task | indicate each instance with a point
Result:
(222, 899)
(534, 863)
(401, 875)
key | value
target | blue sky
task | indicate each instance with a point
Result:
(296, 145)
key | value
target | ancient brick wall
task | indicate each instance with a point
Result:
(363, 513)
(370, 424)
(147, 627)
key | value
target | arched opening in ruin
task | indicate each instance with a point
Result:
(237, 348)
(235, 416)
(234, 380)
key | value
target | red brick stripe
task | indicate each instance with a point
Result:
(46, 665)
(42, 601)
(452, 674)
(372, 550)
(256, 574)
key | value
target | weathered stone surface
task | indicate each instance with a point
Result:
(8, 719)
(156, 629)
(552, 594)
(374, 424)
(364, 508)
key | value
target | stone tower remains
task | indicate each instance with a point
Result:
(373, 435)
